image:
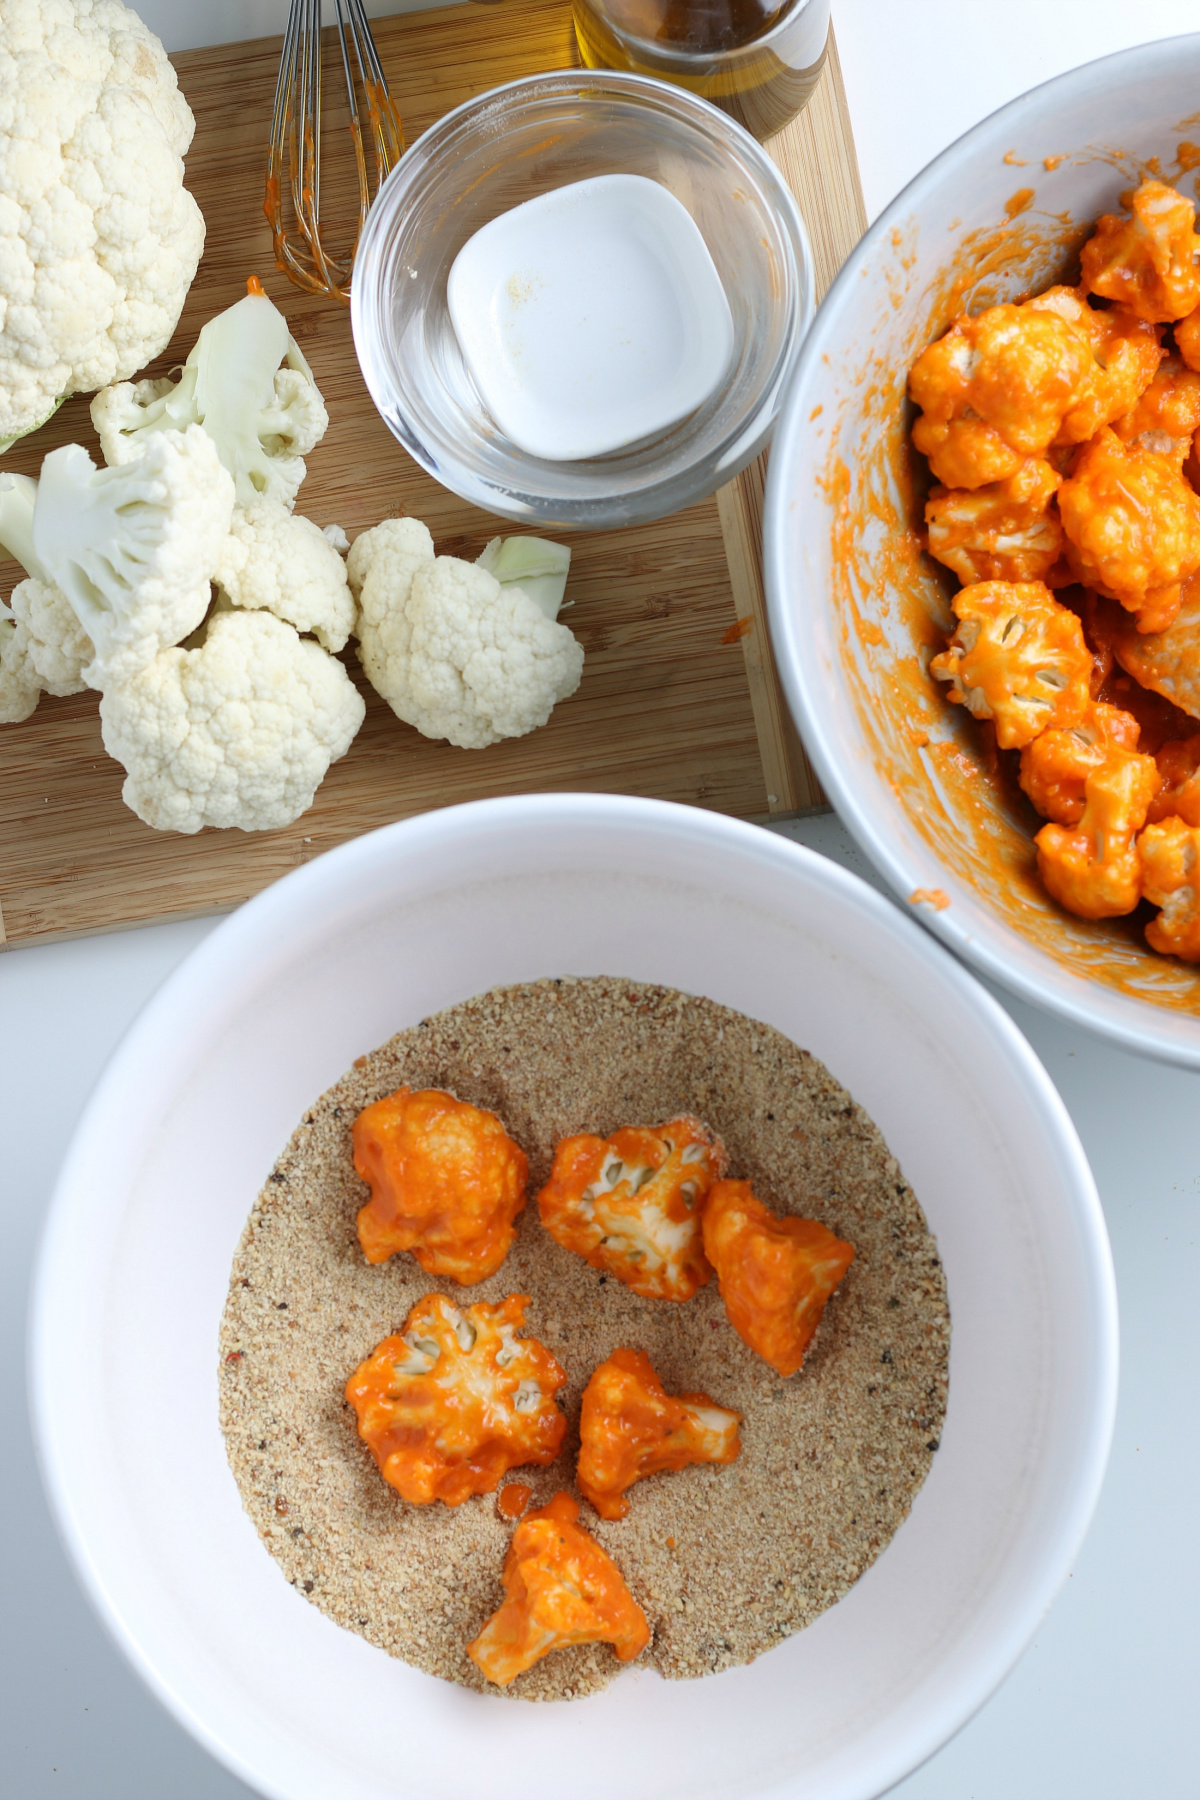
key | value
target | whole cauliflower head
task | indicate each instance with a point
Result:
(238, 732)
(99, 239)
(280, 561)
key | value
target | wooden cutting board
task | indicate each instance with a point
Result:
(674, 702)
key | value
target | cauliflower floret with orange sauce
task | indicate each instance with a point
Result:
(775, 1273)
(450, 1404)
(1056, 765)
(1187, 338)
(446, 1182)
(1171, 880)
(1017, 658)
(1179, 796)
(631, 1204)
(1167, 662)
(1094, 869)
(1166, 415)
(561, 1588)
(631, 1427)
(1148, 262)
(995, 389)
(1127, 352)
(1133, 527)
(1006, 531)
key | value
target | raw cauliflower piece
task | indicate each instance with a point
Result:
(134, 548)
(239, 732)
(20, 683)
(45, 649)
(775, 1274)
(1167, 662)
(1179, 796)
(1056, 765)
(1017, 658)
(996, 389)
(1006, 531)
(1166, 414)
(446, 1182)
(280, 560)
(561, 1588)
(1133, 527)
(1148, 262)
(631, 1427)
(99, 239)
(1094, 869)
(1171, 879)
(1127, 352)
(631, 1204)
(453, 1402)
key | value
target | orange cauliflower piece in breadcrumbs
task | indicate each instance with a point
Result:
(561, 1588)
(1127, 353)
(996, 389)
(450, 1404)
(446, 1182)
(775, 1274)
(1006, 531)
(631, 1204)
(630, 1427)
(1094, 869)
(1056, 765)
(1133, 527)
(1017, 658)
(1179, 796)
(1147, 262)
(1171, 879)
(1166, 416)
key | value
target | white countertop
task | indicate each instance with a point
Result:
(1102, 1705)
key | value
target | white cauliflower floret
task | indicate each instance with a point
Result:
(20, 684)
(280, 561)
(99, 239)
(263, 419)
(44, 648)
(134, 548)
(239, 732)
(59, 648)
(449, 649)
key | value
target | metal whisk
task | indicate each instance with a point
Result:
(294, 164)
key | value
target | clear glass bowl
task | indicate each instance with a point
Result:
(525, 139)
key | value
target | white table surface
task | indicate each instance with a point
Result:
(1103, 1704)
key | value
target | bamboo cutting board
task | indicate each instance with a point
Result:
(678, 700)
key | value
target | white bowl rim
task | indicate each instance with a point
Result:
(254, 928)
(1135, 1025)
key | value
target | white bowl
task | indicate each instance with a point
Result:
(855, 610)
(269, 1010)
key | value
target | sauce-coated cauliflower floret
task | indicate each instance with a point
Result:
(1171, 879)
(1094, 869)
(1166, 414)
(1017, 658)
(280, 561)
(1179, 796)
(453, 1402)
(1006, 531)
(1127, 353)
(1056, 765)
(1167, 662)
(630, 1427)
(1133, 527)
(561, 1589)
(631, 1204)
(446, 1182)
(1147, 262)
(775, 1273)
(995, 389)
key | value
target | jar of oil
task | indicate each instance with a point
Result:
(756, 59)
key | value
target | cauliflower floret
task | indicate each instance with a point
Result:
(1056, 765)
(263, 419)
(45, 647)
(1187, 338)
(995, 389)
(1171, 879)
(630, 1427)
(239, 732)
(1127, 352)
(1179, 796)
(59, 648)
(280, 560)
(1132, 526)
(1006, 531)
(561, 1588)
(99, 239)
(446, 1182)
(1017, 658)
(775, 1274)
(631, 1204)
(451, 651)
(20, 683)
(1148, 262)
(1166, 414)
(450, 1404)
(134, 548)
(1094, 869)
(1167, 662)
